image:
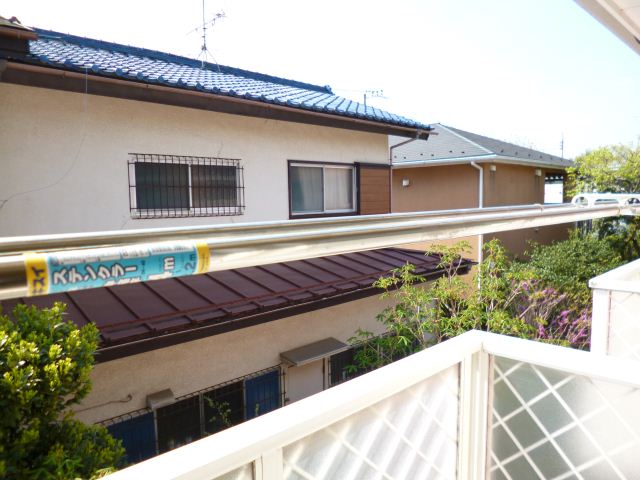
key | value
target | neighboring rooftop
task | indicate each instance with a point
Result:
(452, 145)
(144, 316)
(105, 59)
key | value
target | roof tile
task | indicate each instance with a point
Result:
(69, 52)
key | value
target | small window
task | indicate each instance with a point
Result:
(553, 188)
(343, 367)
(177, 186)
(321, 189)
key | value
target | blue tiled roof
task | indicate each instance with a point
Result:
(81, 54)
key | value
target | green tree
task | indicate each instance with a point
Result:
(503, 297)
(569, 265)
(612, 169)
(45, 363)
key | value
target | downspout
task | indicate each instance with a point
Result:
(391, 148)
(480, 204)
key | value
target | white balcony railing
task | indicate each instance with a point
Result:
(477, 406)
(616, 312)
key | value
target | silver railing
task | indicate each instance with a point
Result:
(38, 265)
(48, 264)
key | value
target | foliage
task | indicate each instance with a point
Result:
(502, 298)
(45, 363)
(410, 321)
(613, 169)
(567, 266)
(221, 415)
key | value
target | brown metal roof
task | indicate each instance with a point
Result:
(145, 316)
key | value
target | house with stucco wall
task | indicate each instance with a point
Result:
(457, 169)
(98, 136)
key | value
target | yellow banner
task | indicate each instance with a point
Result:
(35, 265)
(204, 257)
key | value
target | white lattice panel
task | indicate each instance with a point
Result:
(624, 325)
(553, 425)
(411, 435)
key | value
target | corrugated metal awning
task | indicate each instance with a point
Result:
(313, 351)
(148, 315)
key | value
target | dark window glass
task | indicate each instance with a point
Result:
(223, 407)
(162, 186)
(262, 394)
(138, 437)
(342, 367)
(306, 190)
(214, 186)
(179, 423)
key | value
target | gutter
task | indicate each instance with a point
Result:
(488, 158)
(480, 204)
(26, 74)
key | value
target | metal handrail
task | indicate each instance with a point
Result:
(76, 257)
(51, 242)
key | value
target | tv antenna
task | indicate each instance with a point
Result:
(562, 146)
(373, 94)
(204, 49)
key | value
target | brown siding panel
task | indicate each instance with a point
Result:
(374, 190)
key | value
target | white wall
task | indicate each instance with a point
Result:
(203, 363)
(64, 157)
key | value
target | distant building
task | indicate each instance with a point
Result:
(447, 171)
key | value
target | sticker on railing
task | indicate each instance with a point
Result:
(102, 267)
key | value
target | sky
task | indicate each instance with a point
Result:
(532, 72)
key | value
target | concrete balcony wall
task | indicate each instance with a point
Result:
(616, 312)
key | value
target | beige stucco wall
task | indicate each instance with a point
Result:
(518, 185)
(456, 187)
(64, 157)
(437, 188)
(199, 364)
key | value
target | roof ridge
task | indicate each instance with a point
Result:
(173, 58)
(458, 133)
(510, 144)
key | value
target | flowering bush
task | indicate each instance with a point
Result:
(503, 298)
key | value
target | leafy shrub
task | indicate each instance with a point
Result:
(45, 363)
(506, 298)
(567, 266)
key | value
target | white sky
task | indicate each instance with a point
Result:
(525, 71)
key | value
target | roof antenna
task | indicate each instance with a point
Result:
(204, 50)
(373, 94)
(562, 146)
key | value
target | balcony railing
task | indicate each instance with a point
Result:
(477, 406)
(616, 312)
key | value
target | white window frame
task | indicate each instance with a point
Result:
(150, 213)
(324, 166)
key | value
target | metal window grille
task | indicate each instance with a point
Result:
(343, 365)
(167, 186)
(200, 413)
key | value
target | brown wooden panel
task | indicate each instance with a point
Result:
(374, 190)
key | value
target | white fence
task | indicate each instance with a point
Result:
(477, 406)
(616, 312)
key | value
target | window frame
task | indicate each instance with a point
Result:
(324, 213)
(191, 211)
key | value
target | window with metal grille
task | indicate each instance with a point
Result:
(163, 186)
(147, 432)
